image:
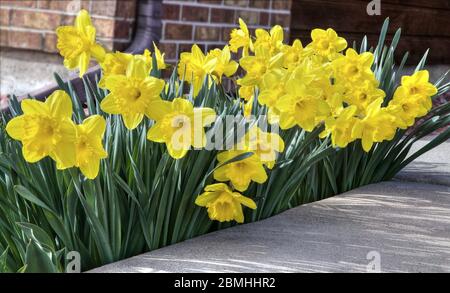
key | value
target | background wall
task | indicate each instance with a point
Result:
(209, 22)
(425, 24)
(30, 24)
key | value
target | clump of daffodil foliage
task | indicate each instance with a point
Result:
(144, 162)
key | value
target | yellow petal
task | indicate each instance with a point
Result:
(109, 105)
(60, 104)
(205, 198)
(91, 169)
(176, 152)
(31, 154)
(131, 121)
(248, 202)
(98, 52)
(16, 128)
(158, 109)
(83, 62)
(95, 125)
(83, 20)
(156, 133)
(34, 107)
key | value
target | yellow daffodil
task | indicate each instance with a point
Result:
(406, 107)
(363, 95)
(117, 64)
(159, 58)
(418, 84)
(179, 125)
(240, 38)
(264, 145)
(273, 40)
(257, 66)
(77, 43)
(354, 67)
(376, 126)
(246, 92)
(330, 93)
(223, 204)
(341, 127)
(224, 65)
(89, 148)
(46, 129)
(194, 67)
(242, 172)
(301, 106)
(293, 55)
(131, 94)
(327, 43)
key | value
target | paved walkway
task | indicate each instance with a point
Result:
(391, 227)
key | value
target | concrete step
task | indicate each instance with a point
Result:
(432, 167)
(388, 227)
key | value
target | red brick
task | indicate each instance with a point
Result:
(178, 31)
(104, 7)
(281, 19)
(4, 38)
(67, 20)
(170, 11)
(216, 2)
(122, 29)
(105, 27)
(281, 4)
(240, 3)
(63, 5)
(187, 48)
(25, 40)
(169, 49)
(222, 15)
(204, 33)
(226, 31)
(250, 17)
(264, 18)
(126, 9)
(37, 20)
(264, 4)
(50, 43)
(195, 13)
(20, 3)
(4, 16)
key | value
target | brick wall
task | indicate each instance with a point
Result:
(31, 24)
(209, 22)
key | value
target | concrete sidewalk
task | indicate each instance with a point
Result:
(407, 224)
(432, 167)
(404, 225)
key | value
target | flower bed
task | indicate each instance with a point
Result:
(147, 162)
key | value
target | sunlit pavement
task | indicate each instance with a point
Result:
(397, 226)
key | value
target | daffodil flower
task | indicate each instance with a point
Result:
(117, 64)
(159, 58)
(240, 38)
(223, 204)
(131, 94)
(242, 172)
(89, 148)
(77, 43)
(179, 125)
(264, 145)
(46, 129)
(224, 65)
(376, 126)
(327, 43)
(194, 67)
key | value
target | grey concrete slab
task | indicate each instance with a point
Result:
(406, 224)
(432, 167)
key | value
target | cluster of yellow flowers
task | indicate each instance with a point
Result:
(309, 85)
(300, 86)
(46, 129)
